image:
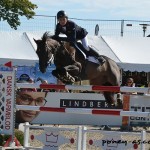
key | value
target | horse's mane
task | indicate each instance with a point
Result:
(46, 36)
(51, 43)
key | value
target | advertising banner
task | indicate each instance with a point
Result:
(6, 101)
(139, 103)
(45, 76)
(66, 100)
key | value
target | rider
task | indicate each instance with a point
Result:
(74, 33)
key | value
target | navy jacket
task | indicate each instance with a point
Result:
(71, 30)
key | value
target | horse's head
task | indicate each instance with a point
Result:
(45, 49)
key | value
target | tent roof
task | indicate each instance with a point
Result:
(102, 47)
(16, 47)
(132, 52)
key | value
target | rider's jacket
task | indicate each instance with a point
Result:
(71, 30)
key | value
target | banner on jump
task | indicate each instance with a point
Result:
(7, 101)
(139, 103)
(63, 100)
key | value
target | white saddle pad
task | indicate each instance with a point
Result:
(93, 59)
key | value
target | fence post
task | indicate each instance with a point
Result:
(79, 137)
(122, 27)
(84, 132)
(26, 134)
(143, 138)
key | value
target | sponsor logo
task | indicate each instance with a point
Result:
(70, 103)
(139, 120)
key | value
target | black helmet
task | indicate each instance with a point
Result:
(62, 13)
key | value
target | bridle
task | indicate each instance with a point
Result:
(52, 50)
(51, 59)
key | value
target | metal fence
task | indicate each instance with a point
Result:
(99, 27)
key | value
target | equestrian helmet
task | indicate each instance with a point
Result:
(61, 14)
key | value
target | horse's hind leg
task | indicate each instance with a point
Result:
(109, 97)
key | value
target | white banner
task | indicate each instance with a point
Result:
(76, 100)
(7, 80)
(140, 103)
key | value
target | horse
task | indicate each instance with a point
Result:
(69, 68)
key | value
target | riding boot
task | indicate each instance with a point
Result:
(100, 58)
(78, 49)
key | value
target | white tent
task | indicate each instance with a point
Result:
(133, 52)
(130, 53)
(15, 47)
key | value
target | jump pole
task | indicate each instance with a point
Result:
(85, 87)
(84, 111)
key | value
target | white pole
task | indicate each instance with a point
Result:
(79, 137)
(26, 134)
(84, 132)
(143, 138)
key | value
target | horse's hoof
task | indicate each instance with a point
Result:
(77, 79)
(111, 105)
(119, 106)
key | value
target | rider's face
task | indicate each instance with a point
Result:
(62, 21)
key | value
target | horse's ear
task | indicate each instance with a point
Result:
(35, 41)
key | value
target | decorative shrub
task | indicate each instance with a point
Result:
(18, 134)
(1, 140)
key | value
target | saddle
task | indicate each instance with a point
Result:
(91, 52)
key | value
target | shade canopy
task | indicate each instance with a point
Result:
(131, 53)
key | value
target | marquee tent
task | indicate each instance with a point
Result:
(130, 53)
(15, 47)
(133, 52)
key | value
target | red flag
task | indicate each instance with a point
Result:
(8, 64)
(8, 142)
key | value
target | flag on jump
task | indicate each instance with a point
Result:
(8, 64)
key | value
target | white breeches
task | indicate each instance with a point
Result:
(85, 43)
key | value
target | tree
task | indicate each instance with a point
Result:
(11, 10)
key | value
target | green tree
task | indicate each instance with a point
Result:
(11, 10)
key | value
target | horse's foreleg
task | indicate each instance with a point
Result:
(55, 73)
(63, 75)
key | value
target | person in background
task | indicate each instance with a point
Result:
(130, 83)
(45, 90)
(32, 99)
(31, 80)
(74, 33)
(148, 88)
(44, 82)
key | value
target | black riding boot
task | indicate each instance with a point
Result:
(100, 58)
(78, 49)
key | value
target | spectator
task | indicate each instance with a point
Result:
(31, 80)
(45, 90)
(130, 83)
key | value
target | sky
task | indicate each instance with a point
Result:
(96, 9)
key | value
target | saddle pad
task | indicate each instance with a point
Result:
(93, 59)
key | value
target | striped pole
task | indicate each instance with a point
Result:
(85, 87)
(84, 111)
